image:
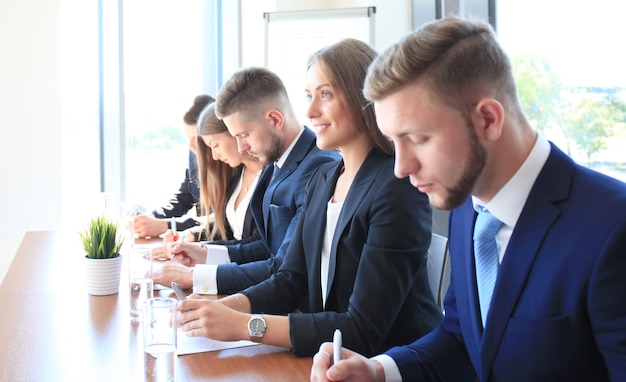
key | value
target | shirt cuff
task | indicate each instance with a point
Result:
(216, 254)
(205, 279)
(392, 373)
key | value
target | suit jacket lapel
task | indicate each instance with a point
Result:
(316, 226)
(361, 184)
(260, 209)
(538, 215)
(297, 154)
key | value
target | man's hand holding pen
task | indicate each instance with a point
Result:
(353, 366)
(171, 271)
(188, 254)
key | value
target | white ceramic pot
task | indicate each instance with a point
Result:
(103, 275)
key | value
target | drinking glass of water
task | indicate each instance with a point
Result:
(140, 280)
(159, 339)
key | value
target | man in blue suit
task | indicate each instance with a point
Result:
(255, 107)
(446, 96)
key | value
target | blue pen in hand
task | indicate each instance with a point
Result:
(337, 346)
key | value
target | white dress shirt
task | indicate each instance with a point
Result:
(332, 215)
(237, 216)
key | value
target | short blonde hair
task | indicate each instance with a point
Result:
(458, 60)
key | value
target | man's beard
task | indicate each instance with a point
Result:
(474, 167)
(275, 148)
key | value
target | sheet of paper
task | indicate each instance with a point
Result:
(191, 345)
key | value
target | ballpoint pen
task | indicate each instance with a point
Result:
(337, 346)
(173, 227)
(179, 291)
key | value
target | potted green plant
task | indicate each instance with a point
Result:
(103, 259)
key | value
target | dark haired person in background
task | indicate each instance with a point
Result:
(188, 195)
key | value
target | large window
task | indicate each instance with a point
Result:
(164, 44)
(568, 63)
(569, 66)
(130, 70)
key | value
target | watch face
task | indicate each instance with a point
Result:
(257, 326)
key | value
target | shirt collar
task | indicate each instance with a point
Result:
(508, 203)
(283, 158)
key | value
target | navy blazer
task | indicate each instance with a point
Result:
(558, 311)
(378, 291)
(276, 205)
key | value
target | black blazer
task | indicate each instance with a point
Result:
(378, 291)
(186, 198)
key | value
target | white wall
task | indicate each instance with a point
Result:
(30, 121)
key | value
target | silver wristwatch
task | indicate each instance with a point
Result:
(256, 327)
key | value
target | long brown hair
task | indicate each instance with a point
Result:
(214, 176)
(346, 64)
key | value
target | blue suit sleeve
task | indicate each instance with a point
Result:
(438, 356)
(606, 303)
(234, 277)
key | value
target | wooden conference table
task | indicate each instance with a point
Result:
(51, 329)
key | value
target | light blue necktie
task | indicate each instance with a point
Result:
(275, 172)
(486, 257)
